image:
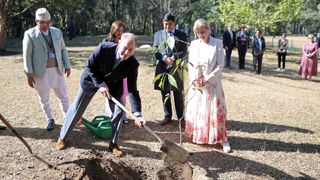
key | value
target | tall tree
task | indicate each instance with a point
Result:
(4, 6)
(310, 16)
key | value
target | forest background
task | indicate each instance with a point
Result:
(93, 17)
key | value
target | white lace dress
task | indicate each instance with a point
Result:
(206, 109)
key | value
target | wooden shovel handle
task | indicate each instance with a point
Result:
(123, 108)
(133, 116)
(15, 133)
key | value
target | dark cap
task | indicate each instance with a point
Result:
(169, 17)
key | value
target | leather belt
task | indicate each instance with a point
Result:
(52, 63)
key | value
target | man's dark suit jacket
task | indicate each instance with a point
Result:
(179, 51)
(100, 72)
(227, 40)
(256, 47)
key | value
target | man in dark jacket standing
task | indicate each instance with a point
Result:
(229, 42)
(258, 48)
(168, 58)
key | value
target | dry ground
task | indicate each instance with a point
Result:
(273, 123)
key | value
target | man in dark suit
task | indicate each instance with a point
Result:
(229, 42)
(258, 48)
(242, 42)
(105, 70)
(168, 58)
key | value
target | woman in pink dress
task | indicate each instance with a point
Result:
(206, 109)
(308, 66)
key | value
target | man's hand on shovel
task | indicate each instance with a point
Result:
(138, 121)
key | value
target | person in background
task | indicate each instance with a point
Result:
(318, 44)
(242, 40)
(206, 114)
(71, 28)
(46, 60)
(318, 39)
(115, 33)
(229, 42)
(166, 63)
(282, 52)
(258, 48)
(104, 72)
(187, 31)
(309, 64)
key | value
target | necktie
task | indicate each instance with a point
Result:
(116, 63)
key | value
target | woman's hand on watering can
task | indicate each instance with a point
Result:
(139, 121)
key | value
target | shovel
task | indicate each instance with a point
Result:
(23, 141)
(170, 148)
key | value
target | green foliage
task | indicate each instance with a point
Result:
(261, 14)
(310, 16)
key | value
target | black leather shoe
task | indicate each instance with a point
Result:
(165, 121)
(51, 125)
(2, 127)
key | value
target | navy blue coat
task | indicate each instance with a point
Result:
(100, 72)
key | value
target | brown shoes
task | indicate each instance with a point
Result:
(165, 121)
(115, 149)
(61, 144)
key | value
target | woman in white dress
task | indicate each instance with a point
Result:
(206, 109)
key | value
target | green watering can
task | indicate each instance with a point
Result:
(99, 126)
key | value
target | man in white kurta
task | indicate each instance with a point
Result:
(46, 60)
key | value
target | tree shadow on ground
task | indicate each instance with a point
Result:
(81, 138)
(222, 163)
(254, 144)
(254, 127)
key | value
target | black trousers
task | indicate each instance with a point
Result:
(257, 59)
(178, 101)
(282, 58)
(242, 50)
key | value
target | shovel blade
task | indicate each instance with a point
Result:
(174, 151)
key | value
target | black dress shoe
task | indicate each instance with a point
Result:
(165, 121)
(51, 125)
(2, 127)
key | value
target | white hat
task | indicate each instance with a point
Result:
(42, 14)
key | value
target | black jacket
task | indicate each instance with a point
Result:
(100, 72)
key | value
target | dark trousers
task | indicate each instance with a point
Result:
(242, 50)
(282, 57)
(77, 109)
(178, 101)
(258, 59)
(228, 58)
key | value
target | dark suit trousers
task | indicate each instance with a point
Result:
(228, 58)
(258, 59)
(178, 101)
(77, 109)
(242, 50)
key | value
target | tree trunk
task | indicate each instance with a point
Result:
(3, 19)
